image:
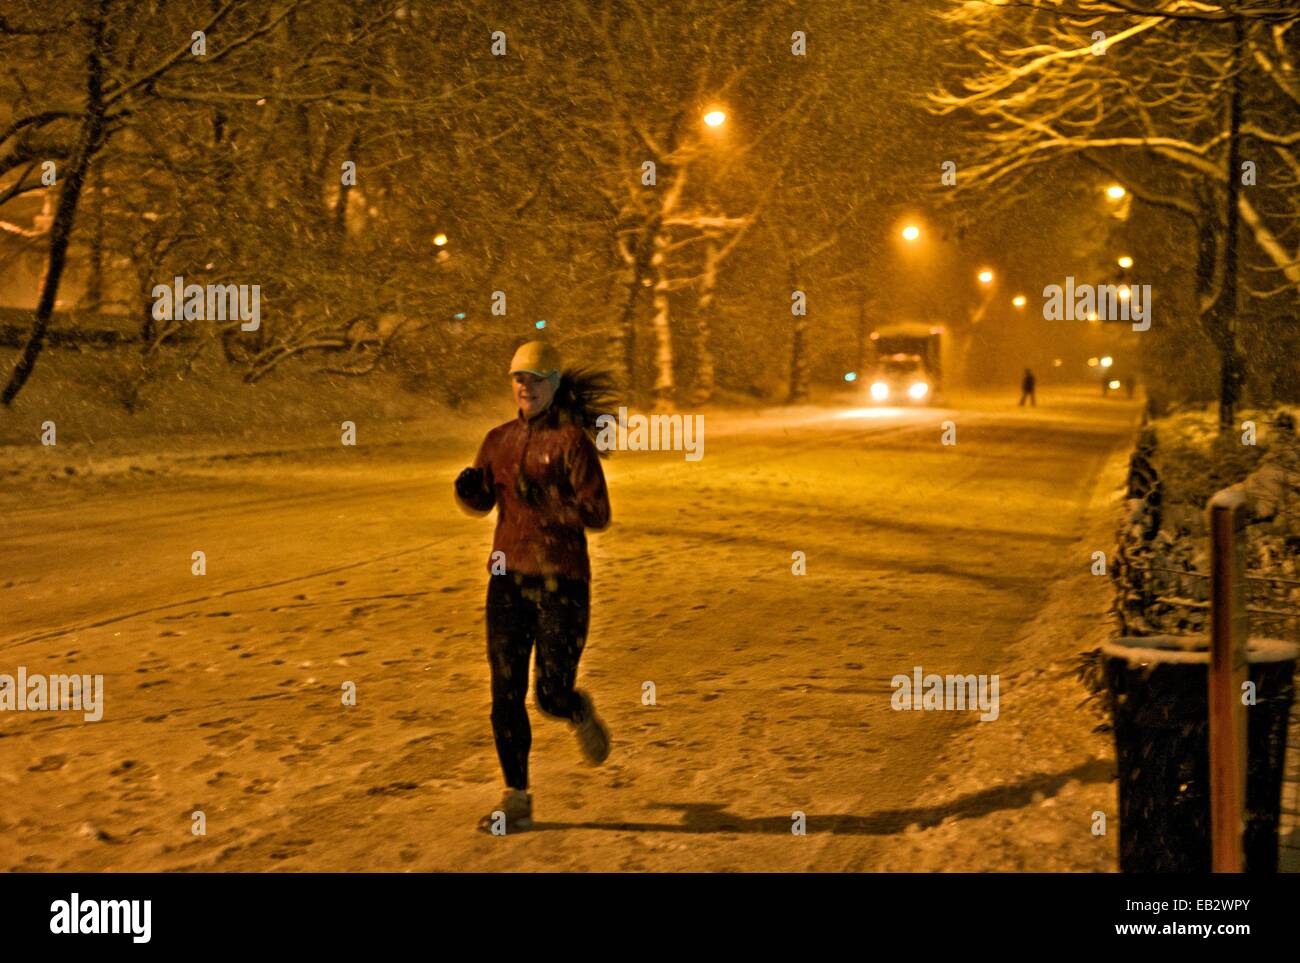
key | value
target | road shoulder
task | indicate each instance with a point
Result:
(1022, 793)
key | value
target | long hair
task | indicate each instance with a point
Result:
(583, 395)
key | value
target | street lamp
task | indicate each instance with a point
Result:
(715, 118)
(911, 232)
(986, 276)
(1125, 262)
(1107, 361)
(440, 239)
(1116, 192)
(1019, 300)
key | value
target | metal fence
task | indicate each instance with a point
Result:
(1159, 589)
(1178, 602)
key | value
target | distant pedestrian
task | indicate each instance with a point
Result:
(541, 472)
(1027, 389)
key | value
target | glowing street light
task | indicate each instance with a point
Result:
(715, 118)
(1125, 262)
(1107, 361)
(911, 232)
(440, 239)
(1019, 300)
(986, 276)
(1116, 192)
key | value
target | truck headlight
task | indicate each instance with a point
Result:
(879, 390)
(919, 390)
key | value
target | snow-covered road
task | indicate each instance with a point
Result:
(772, 690)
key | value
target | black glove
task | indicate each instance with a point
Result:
(470, 486)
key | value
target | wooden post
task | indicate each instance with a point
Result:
(1229, 626)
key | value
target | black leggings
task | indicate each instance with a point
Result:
(523, 610)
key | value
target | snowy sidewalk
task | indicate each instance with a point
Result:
(1019, 794)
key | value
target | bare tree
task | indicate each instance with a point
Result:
(107, 40)
(1172, 97)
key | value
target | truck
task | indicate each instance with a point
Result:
(904, 364)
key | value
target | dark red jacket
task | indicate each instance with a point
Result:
(545, 535)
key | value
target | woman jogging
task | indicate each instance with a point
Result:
(541, 471)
